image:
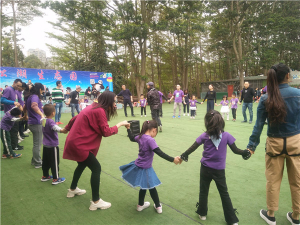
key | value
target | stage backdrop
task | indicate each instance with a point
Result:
(49, 77)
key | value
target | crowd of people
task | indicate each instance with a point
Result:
(280, 106)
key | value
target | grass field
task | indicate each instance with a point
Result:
(27, 200)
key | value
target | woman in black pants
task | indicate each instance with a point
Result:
(186, 104)
(211, 96)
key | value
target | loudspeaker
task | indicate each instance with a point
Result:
(135, 127)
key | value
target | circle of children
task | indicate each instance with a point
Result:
(280, 106)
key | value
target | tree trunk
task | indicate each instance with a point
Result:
(15, 33)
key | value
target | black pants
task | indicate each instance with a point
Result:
(160, 110)
(186, 108)
(14, 135)
(143, 109)
(233, 113)
(92, 163)
(153, 194)
(155, 116)
(21, 127)
(210, 105)
(193, 113)
(206, 176)
(125, 106)
(50, 161)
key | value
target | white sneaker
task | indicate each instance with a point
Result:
(141, 115)
(202, 217)
(20, 140)
(183, 114)
(101, 205)
(145, 115)
(77, 191)
(235, 224)
(188, 114)
(141, 208)
(158, 209)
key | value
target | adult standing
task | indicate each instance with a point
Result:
(281, 106)
(34, 109)
(154, 103)
(247, 96)
(186, 103)
(161, 97)
(211, 96)
(179, 97)
(88, 92)
(11, 99)
(83, 146)
(127, 99)
(58, 97)
(74, 101)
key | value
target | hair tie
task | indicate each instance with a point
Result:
(274, 68)
(212, 113)
(148, 121)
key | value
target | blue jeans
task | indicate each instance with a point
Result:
(73, 107)
(249, 106)
(58, 108)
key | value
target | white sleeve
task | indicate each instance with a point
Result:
(56, 128)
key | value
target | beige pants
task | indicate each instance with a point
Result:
(175, 107)
(275, 168)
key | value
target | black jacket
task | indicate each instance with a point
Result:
(247, 95)
(153, 99)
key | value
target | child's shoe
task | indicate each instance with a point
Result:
(46, 178)
(202, 217)
(101, 205)
(188, 114)
(14, 156)
(141, 208)
(158, 209)
(173, 117)
(183, 114)
(160, 128)
(4, 156)
(58, 180)
(178, 117)
(145, 115)
(141, 115)
(77, 191)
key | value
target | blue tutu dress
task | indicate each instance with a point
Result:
(138, 177)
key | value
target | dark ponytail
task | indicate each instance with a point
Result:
(148, 125)
(35, 90)
(275, 105)
(214, 123)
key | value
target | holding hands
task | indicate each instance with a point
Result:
(177, 160)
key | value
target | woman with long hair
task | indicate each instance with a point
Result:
(281, 106)
(34, 109)
(83, 142)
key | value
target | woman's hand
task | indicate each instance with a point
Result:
(123, 123)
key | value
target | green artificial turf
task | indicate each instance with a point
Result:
(27, 200)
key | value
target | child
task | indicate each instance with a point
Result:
(85, 100)
(143, 103)
(193, 106)
(234, 104)
(7, 122)
(140, 172)
(213, 163)
(50, 149)
(225, 108)
(50, 101)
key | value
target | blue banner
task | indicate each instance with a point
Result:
(48, 78)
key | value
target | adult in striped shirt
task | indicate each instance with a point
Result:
(58, 97)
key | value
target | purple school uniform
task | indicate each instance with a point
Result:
(33, 117)
(212, 157)
(234, 103)
(50, 138)
(10, 94)
(146, 146)
(143, 102)
(224, 103)
(178, 96)
(193, 103)
(160, 97)
(6, 123)
(86, 101)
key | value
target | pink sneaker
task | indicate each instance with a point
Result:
(158, 209)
